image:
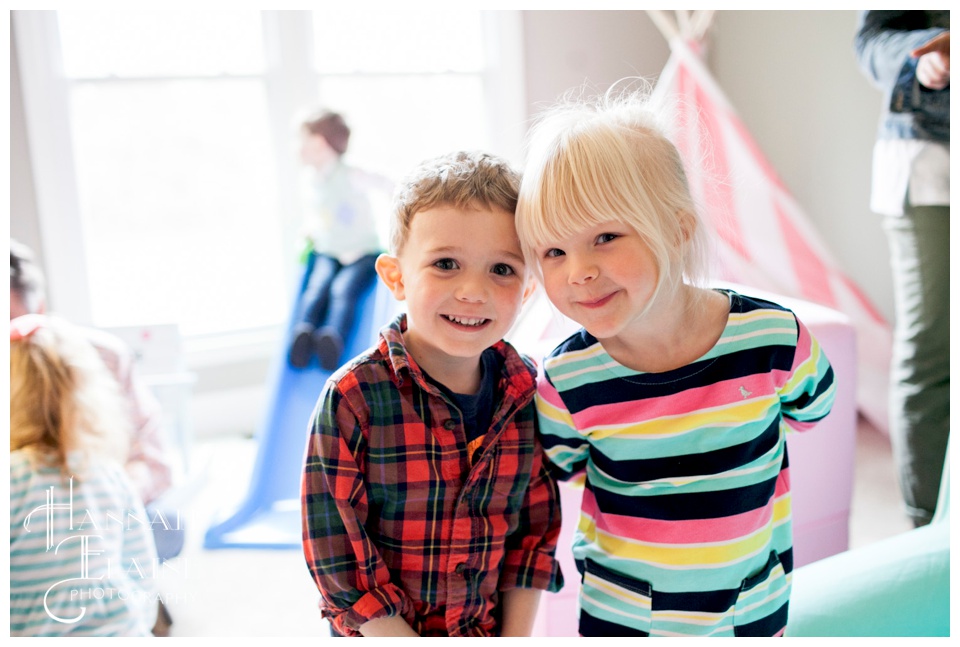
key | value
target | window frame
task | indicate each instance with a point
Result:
(290, 82)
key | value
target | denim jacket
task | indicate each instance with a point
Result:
(883, 44)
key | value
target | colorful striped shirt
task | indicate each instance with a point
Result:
(685, 525)
(82, 558)
(400, 519)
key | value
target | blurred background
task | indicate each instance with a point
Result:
(154, 159)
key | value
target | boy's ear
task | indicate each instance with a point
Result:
(388, 269)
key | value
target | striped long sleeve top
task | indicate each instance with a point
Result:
(685, 525)
(82, 557)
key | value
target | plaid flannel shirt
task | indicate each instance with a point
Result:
(397, 520)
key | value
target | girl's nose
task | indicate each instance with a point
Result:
(582, 270)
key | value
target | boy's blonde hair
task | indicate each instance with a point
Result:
(462, 179)
(65, 405)
(590, 161)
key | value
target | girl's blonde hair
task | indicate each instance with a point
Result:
(607, 158)
(65, 406)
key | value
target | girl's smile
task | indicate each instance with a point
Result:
(602, 277)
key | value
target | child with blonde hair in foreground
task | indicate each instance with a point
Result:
(675, 399)
(82, 556)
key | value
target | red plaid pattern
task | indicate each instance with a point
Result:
(398, 521)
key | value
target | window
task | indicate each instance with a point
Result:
(164, 143)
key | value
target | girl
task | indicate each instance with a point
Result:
(673, 398)
(81, 548)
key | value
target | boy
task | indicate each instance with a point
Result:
(341, 228)
(427, 509)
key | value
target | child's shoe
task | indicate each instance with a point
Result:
(329, 346)
(301, 349)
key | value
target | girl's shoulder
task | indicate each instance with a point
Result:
(578, 341)
(741, 302)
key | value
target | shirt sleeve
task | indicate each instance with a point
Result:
(148, 461)
(566, 448)
(530, 560)
(346, 565)
(810, 387)
(884, 40)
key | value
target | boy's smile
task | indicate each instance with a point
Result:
(463, 277)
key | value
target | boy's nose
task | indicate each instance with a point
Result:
(471, 289)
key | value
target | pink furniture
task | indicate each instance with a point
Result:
(821, 459)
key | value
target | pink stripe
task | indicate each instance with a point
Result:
(712, 395)
(862, 300)
(722, 206)
(812, 275)
(804, 347)
(546, 391)
(691, 531)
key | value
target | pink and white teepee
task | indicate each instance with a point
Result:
(762, 236)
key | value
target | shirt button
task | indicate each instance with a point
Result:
(449, 424)
(461, 567)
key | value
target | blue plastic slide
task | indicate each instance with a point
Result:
(270, 516)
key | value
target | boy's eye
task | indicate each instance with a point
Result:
(502, 269)
(606, 238)
(553, 252)
(445, 264)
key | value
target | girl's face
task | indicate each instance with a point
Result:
(603, 277)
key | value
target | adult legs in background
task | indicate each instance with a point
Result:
(920, 373)
(315, 302)
(348, 285)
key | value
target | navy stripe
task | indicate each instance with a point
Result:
(591, 626)
(697, 601)
(714, 462)
(740, 364)
(766, 626)
(804, 400)
(692, 506)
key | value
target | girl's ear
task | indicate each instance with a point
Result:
(688, 225)
(530, 289)
(388, 269)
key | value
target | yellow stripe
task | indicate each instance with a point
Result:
(619, 592)
(678, 556)
(555, 414)
(734, 414)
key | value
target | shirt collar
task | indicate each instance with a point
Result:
(519, 374)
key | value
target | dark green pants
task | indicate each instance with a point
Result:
(920, 373)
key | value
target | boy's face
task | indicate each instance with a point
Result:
(315, 151)
(464, 279)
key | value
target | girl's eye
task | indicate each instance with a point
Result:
(606, 238)
(553, 252)
(445, 264)
(502, 269)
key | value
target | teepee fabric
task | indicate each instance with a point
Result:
(762, 236)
